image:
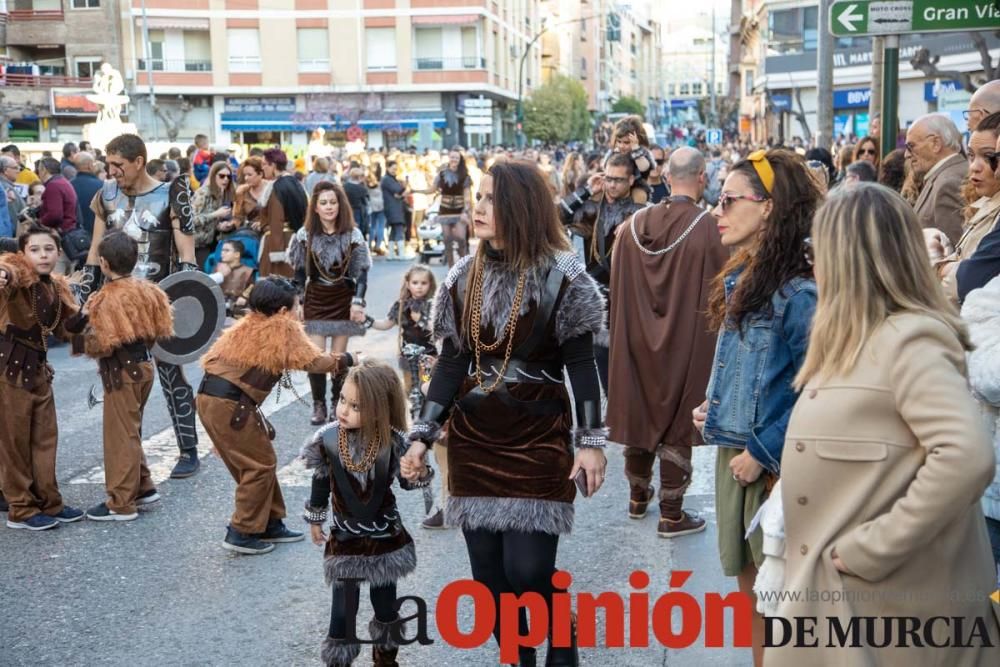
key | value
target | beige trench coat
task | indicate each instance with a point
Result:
(888, 465)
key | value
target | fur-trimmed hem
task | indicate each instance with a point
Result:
(335, 653)
(378, 570)
(529, 515)
(594, 438)
(334, 328)
(381, 633)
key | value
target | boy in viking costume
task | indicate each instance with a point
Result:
(34, 305)
(124, 319)
(241, 368)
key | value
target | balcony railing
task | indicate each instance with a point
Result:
(244, 64)
(465, 62)
(36, 15)
(43, 81)
(161, 65)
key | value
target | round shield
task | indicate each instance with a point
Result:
(199, 313)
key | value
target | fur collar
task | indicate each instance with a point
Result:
(23, 276)
(125, 311)
(272, 344)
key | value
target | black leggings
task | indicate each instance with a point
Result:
(383, 601)
(512, 562)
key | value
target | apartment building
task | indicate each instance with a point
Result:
(390, 72)
(689, 71)
(49, 50)
(613, 48)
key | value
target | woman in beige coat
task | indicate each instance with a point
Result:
(885, 459)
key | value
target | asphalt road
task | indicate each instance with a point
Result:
(162, 591)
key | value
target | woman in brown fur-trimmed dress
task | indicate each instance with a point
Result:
(241, 368)
(355, 460)
(331, 262)
(517, 313)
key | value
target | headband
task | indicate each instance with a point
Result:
(763, 168)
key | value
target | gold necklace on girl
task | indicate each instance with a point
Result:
(367, 460)
(507, 332)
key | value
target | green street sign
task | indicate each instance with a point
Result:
(851, 18)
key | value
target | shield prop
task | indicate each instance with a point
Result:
(199, 313)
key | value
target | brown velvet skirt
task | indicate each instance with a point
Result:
(501, 451)
(327, 302)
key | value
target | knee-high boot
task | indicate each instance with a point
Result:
(317, 383)
(336, 382)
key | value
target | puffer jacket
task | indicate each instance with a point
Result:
(981, 312)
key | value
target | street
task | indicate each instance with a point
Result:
(162, 591)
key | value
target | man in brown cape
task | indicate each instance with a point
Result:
(661, 347)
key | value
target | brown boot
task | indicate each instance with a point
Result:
(686, 525)
(384, 657)
(319, 413)
(638, 502)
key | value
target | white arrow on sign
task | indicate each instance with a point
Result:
(847, 19)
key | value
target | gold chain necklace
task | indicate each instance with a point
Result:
(46, 329)
(507, 332)
(371, 453)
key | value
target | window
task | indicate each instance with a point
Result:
(718, 88)
(86, 66)
(696, 88)
(244, 49)
(786, 31)
(671, 89)
(197, 51)
(450, 47)
(583, 68)
(154, 52)
(470, 47)
(685, 89)
(748, 82)
(314, 50)
(428, 49)
(381, 48)
(810, 27)
(86, 4)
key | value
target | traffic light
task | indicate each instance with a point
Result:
(614, 33)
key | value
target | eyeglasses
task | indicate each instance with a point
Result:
(661, 161)
(810, 254)
(969, 112)
(614, 180)
(910, 145)
(867, 151)
(726, 200)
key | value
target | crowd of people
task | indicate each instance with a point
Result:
(828, 323)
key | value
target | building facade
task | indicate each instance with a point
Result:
(388, 72)
(49, 51)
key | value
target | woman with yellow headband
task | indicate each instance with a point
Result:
(763, 303)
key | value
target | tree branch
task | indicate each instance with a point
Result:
(924, 62)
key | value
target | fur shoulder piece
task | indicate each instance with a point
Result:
(461, 267)
(443, 323)
(581, 310)
(570, 264)
(312, 451)
(21, 275)
(272, 344)
(126, 311)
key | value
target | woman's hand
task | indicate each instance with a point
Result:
(745, 469)
(226, 226)
(317, 534)
(698, 417)
(242, 187)
(594, 463)
(255, 226)
(222, 212)
(411, 465)
(358, 314)
(839, 564)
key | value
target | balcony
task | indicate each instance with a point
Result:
(465, 62)
(35, 15)
(160, 65)
(43, 81)
(29, 27)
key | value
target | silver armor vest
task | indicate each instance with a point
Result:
(146, 218)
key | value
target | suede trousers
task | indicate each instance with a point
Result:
(675, 475)
(125, 472)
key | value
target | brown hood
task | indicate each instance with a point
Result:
(127, 311)
(272, 344)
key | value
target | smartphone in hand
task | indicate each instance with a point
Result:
(581, 482)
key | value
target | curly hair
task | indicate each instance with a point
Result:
(778, 253)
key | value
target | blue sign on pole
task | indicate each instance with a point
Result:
(932, 89)
(781, 102)
(713, 136)
(852, 98)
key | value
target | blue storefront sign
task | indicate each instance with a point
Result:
(781, 102)
(852, 98)
(932, 89)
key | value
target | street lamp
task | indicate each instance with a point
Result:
(520, 73)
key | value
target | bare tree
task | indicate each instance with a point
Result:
(800, 116)
(9, 112)
(173, 118)
(927, 63)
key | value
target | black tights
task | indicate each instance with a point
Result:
(513, 562)
(383, 601)
(317, 384)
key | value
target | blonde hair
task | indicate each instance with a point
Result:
(381, 400)
(870, 263)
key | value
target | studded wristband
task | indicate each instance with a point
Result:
(314, 516)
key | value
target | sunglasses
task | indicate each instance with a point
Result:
(225, 176)
(661, 161)
(726, 200)
(867, 151)
(615, 179)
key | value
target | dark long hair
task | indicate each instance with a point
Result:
(778, 253)
(345, 216)
(463, 170)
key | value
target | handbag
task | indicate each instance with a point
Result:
(76, 244)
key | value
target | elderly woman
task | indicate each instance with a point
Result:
(885, 457)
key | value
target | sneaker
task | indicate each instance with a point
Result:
(148, 498)
(245, 544)
(4, 507)
(638, 504)
(187, 465)
(102, 513)
(278, 532)
(68, 515)
(319, 413)
(687, 524)
(37, 522)
(434, 521)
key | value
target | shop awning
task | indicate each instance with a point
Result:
(290, 122)
(458, 19)
(171, 23)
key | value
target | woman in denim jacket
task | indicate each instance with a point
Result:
(763, 303)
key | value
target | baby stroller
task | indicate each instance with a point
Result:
(251, 248)
(431, 237)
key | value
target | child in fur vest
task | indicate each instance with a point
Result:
(355, 459)
(122, 321)
(34, 304)
(241, 368)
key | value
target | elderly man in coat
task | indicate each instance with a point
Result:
(934, 147)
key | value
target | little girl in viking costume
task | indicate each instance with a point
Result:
(355, 459)
(34, 304)
(241, 369)
(124, 319)
(331, 262)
